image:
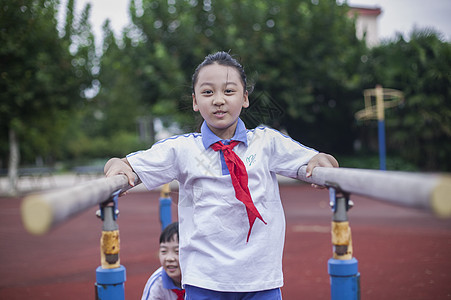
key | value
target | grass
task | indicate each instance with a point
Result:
(372, 162)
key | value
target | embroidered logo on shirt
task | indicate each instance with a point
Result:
(250, 159)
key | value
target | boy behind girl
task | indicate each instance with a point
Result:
(165, 282)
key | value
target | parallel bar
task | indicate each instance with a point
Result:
(40, 212)
(431, 192)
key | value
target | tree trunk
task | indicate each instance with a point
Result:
(14, 158)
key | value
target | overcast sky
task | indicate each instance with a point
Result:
(397, 15)
(403, 15)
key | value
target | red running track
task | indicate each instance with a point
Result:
(403, 253)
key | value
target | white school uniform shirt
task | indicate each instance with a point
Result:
(159, 287)
(213, 224)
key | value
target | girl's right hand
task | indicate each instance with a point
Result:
(117, 166)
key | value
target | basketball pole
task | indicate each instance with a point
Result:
(385, 98)
(381, 126)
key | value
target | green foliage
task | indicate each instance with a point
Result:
(119, 145)
(393, 163)
(420, 130)
(304, 64)
(41, 80)
(298, 54)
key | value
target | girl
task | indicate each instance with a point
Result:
(232, 224)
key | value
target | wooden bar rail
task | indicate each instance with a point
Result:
(40, 212)
(425, 191)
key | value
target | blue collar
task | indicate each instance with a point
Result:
(209, 138)
(168, 283)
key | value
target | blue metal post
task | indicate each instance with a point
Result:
(380, 109)
(381, 134)
(110, 283)
(165, 207)
(342, 268)
(344, 279)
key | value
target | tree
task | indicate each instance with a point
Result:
(420, 129)
(41, 80)
(303, 56)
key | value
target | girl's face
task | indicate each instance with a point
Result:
(219, 96)
(169, 259)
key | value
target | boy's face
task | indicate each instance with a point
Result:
(219, 96)
(169, 259)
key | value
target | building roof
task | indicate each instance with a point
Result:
(365, 11)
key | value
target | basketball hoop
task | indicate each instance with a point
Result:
(385, 98)
(388, 97)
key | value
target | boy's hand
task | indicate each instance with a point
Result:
(117, 166)
(320, 160)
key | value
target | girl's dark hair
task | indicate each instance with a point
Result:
(221, 58)
(168, 233)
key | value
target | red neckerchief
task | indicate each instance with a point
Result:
(180, 294)
(239, 177)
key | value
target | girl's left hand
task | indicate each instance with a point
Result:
(320, 160)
